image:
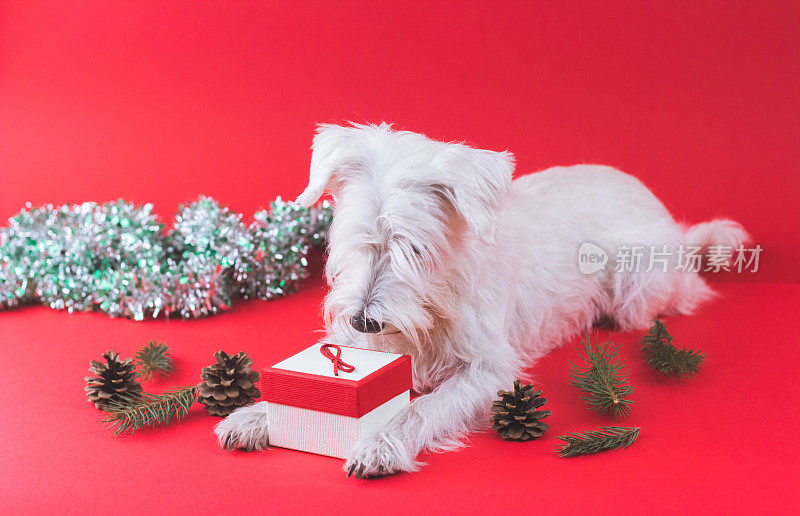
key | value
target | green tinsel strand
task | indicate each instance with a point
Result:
(115, 257)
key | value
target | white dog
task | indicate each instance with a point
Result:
(435, 252)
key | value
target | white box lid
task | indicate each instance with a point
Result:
(312, 361)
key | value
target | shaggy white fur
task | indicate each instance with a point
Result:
(245, 428)
(435, 252)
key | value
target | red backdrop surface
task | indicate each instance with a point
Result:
(162, 101)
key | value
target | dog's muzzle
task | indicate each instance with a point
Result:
(362, 323)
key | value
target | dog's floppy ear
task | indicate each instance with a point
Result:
(476, 182)
(331, 153)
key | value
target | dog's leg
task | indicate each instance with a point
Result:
(245, 428)
(435, 421)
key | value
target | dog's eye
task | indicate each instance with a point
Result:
(416, 250)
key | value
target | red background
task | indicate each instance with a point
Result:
(159, 102)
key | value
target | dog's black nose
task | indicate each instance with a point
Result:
(364, 324)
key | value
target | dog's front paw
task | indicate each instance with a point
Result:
(380, 455)
(245, 429)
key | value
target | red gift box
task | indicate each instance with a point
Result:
(326, 397)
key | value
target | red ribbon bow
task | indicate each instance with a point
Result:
(337, 362)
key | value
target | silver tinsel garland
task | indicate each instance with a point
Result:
(116, 257)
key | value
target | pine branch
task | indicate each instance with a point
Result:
(603, 379)
(154, 358)
(607, 438)
(132, 413)
(662, 355)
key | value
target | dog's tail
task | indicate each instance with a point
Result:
(717, 232)
(690, 290)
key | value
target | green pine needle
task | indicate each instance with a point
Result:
(135, 412)
(606, 438)
(662, 355)
(602, 378)
(154, 358)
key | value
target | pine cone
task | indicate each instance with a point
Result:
(515, 416)
(229, 384)
(113, 380)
